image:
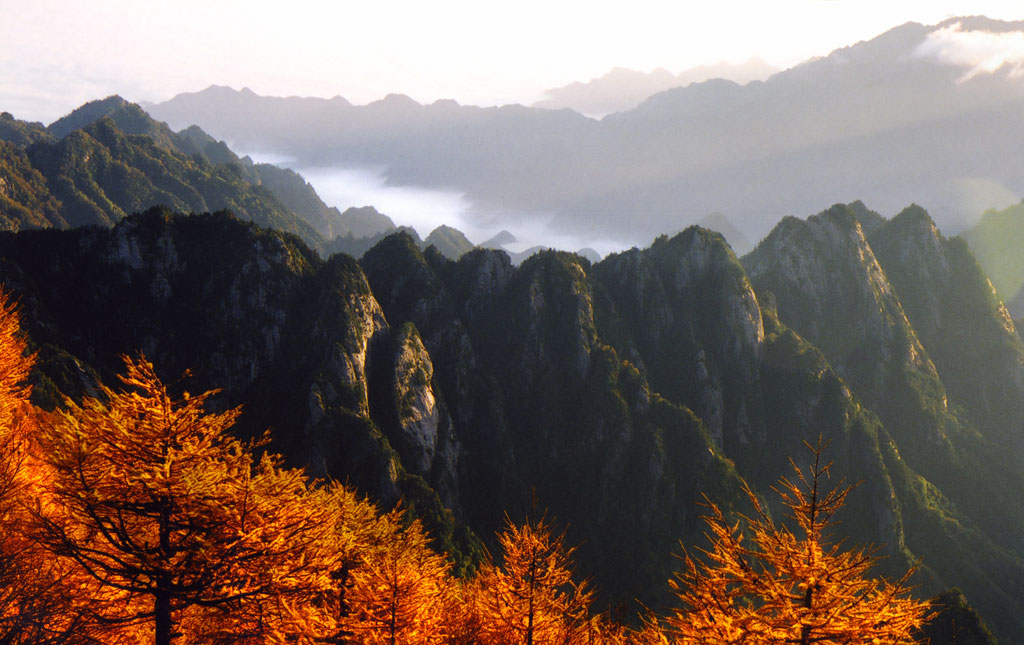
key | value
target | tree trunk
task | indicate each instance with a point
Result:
(162, 598)
(162, 617)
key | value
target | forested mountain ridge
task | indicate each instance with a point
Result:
(108, 158)
(613, 394)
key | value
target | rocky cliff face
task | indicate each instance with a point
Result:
(613, 395)
(685, 310)
(830, 288)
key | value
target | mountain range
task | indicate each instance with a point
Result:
(906, 116)
(613, 394)
(109, 158)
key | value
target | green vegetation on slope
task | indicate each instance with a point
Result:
(996, 241)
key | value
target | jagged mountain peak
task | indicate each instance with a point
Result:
(869, 219)
(830, 235)
(692, 235)
(397, 268)
(833, 235)
(912, 224)
(957, 314)
(829, 286)
(499, 240)
(365, 221)
(118, 161)
(929, 336)
(131, 119)
(689, 303)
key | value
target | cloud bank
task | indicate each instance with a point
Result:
(981, 52)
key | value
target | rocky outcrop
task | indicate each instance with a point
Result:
(412, 413)
(418, 411)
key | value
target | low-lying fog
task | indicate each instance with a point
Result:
(425, 209)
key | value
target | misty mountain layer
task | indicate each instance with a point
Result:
(907, 116)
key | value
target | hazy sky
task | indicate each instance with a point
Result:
(57, 54)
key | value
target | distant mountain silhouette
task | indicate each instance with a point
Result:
(624, 89)
(721, 224)
(890, 121)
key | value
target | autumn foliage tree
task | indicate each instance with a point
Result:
(152, 497)
(531, 597)
(790, 587)
(400, 591)
(36, 591)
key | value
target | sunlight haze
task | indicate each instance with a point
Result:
(56, 55)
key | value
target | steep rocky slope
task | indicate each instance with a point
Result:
(960, 320)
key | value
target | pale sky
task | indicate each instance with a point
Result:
(55, 55)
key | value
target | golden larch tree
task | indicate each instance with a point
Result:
(532, 597)
(385, 584)
(154, 498)
(398, 594)
(790, 587)
(37, 593)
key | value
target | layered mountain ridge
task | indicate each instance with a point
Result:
(109, 158)
(613, 394)
(908, 115)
